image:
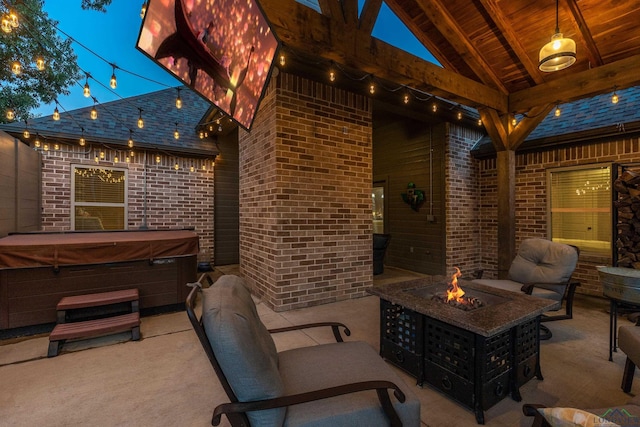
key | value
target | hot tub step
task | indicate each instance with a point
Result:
(96, 300)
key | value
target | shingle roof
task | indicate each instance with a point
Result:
(117, 118)
(579, 121)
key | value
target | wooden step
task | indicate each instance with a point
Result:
(96, 300)
(93, 328)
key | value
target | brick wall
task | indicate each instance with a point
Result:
(463, 234)
(305, 195)
(174, 198)
(531, 198)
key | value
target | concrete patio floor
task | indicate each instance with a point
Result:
(165, 379)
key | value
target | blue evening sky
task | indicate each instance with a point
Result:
(113, 36)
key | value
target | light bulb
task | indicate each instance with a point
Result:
(94, 113)
(219, 128)
(192, 169)
(158, 158)
(82, 141)
(13, 18)
(283, 60)
(372, 89)
(204, 167)
(56, 114)
(11, 114)
(615, 98)
(201, 134)
(37, 142)
(113, 82)
(86, 91)
(479, 122)
(102, 155)
(176, 167)
(459, 115)
(96, 159)
(26, 134)
(406, 98)
(130, 143)
(115, 159)
(176, 134)
(127, 159)
(16, 68)
(140, 122)
(178, 102)
(6, 25)
(514, 122)
(332, 76)
(45, 147)
(40, 63)
(56, 146)
(434, 107)
(143, 10)
(557, 112)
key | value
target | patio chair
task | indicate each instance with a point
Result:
(341, 384)
(543, 269)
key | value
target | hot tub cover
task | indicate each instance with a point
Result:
(57, 249)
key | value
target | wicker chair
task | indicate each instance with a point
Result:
(342, 383)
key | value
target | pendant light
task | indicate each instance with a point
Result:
(559, 53)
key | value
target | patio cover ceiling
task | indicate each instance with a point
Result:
(488, 48)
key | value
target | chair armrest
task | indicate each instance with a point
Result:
(334, 327)
(531, 410)
(381, 388)
(528, 287)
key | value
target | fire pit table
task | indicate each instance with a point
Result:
(475, 355)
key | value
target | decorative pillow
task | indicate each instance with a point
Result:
(243, 346)
(570, 417)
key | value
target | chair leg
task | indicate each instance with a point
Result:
(627, 376)
(545, 333)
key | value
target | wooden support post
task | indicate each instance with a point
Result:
(506, 210)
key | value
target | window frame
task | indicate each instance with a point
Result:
(74, 204)
(550, 171)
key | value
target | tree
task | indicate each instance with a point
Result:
(35, 38)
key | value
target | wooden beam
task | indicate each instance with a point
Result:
(440, 17)
(583, 29)
(589, 83)
(331, 9)
(496, 15)
(369, 15)
(350, 11)
(304, 30)
(496, 126)
(506, 169)
(527, 125)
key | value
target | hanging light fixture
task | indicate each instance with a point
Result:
(176, 134)
(459, 115)
(140, 121)
(94, 112)
(36, 143)
(56, 114)
(13, 19)
(615, 98)
(559, 53)
(130, 142)
(143, 10)
(26, 132)
(16, 68)
(557, 112)
(82, 141)
(113, 82)
(283, 60)
(11, 114)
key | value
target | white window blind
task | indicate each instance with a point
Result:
(99, 198)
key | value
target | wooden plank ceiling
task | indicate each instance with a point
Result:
(488, 48)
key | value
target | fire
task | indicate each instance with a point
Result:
(454, 292)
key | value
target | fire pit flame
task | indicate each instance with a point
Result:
(455, 292)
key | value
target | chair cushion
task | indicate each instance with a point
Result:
(311, 368)
(629, 342)
(243, 346)
(543, 261)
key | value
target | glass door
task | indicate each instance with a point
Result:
(377, 196)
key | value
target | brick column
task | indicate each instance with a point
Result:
(305, 195)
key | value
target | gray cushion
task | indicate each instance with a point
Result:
(543, 261)
(243, 346)
(311, 368)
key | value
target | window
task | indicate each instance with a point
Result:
(580, 207)
(98, 198)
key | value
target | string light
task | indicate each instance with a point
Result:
(406, 98)
(11, 114)
(479, 122)
(219, 128)
(102, 155)
(94, 111)
(13, 19)
(40, 65)
(115, 159)
(140, 121)
(178, 99)
(86, 91)
(332, 76)
(36, 143)
(56, 114)
(45, 147)
(26, 133)
(459, 115)
(201, 134)
(176, 134)
(16, 68)
(434, 107)
(143, 10)
(158, 158)
(130, 142)
(82, 141)
(113, 82)
(176, 166)
(372, 88)
(6, 25)
(514, 121)
(557, 112)
(283, 60)
(615, 98)
(56, 146)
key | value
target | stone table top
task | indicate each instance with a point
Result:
(504, 309)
